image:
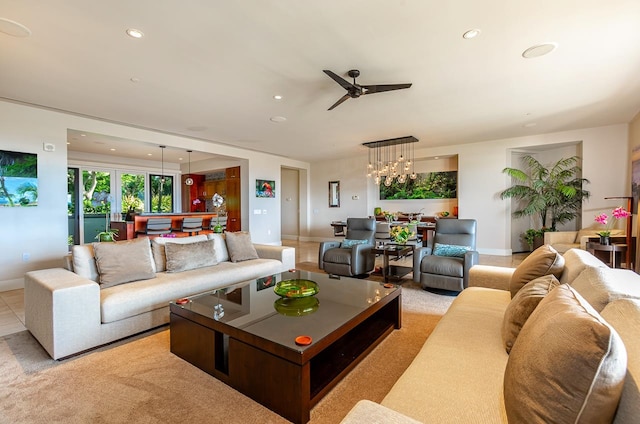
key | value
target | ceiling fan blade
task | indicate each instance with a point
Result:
(343, 82)
(370, 89)
(342, 99)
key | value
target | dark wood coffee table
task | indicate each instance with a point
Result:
(252, 346)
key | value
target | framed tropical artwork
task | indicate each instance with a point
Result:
(427, 185)
(265, 188)
(18, 179)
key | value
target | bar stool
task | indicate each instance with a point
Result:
(191, 225)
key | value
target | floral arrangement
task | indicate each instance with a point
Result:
(401, 234)
(603, 218)
(217, 202)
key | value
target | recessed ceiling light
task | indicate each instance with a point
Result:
(149, 154)
(135, 33)
(83, 135)
(278, 119)
(14, 28)
(530, 124)
(112, 149)
(472, 33)
(134, 79)
(277, 97)
(539, 50)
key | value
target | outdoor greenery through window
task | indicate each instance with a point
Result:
(132, 187)
(161, 194)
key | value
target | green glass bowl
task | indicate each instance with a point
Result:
(296, 288)
(296, 307)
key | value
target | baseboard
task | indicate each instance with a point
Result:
(289, 237)
(6, 285)
(495, 252)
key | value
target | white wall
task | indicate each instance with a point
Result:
(42, 231)
(480, 180)
(290, 204)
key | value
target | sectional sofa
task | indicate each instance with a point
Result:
(574, 353)
(108, 291)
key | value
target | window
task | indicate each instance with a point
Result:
(161, 193)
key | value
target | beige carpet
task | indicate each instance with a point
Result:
(139, 381)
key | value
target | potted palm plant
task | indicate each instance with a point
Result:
(553, 194)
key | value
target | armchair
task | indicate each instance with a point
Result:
(334, 257)
(446, 264)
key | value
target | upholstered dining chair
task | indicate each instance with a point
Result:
(446, 264)
(352, 256)
(191, 225)
(158, 226)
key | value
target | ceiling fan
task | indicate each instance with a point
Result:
(355, 90)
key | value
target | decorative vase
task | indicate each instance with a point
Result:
(377, 211)
(217, 228)
(605, 240)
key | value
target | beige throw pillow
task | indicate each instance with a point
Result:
(240, 246)
(567, 366)
(220, 245)
(183, 257)
(84, 261)
(158, 244)
(599, 286)
(522, 305)
(544, 260)
(124, 261)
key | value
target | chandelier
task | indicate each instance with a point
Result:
(391, 160)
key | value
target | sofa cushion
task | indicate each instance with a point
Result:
(124, 261)
(182, 257)
(544, 260)
(522, 305)
(457, 375)
(240, 246)
(450, 250)
(599, 286)
(567, 365)
(84, 261)
(126, 300)
(220, 246)
(159, 254)
(575, 261)
(624, 316)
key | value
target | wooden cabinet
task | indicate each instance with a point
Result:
(233, 198)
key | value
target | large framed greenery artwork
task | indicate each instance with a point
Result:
(18, 179)
(427, 185)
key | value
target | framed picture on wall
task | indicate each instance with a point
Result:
(18, 179)
(334, 194)
(265, 188)
(427, 185)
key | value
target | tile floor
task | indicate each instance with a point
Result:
(12, 302)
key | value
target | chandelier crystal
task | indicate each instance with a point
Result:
(391, 160)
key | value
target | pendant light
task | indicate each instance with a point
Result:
(385, 165)
(189, 181)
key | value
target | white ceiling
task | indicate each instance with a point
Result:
(210, 68)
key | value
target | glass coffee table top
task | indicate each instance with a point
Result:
(255, 308)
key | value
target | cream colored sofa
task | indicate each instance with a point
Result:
(71, 310)
(458, 375)
(565, 240)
